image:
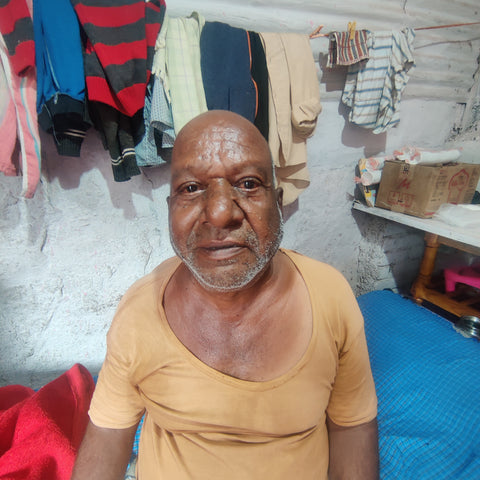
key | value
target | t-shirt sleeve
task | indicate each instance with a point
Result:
(116, 402)
(353, 399)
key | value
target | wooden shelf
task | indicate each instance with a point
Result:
(465, 300)
(468, 240)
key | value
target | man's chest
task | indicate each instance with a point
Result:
(258, 347)
(183, 393)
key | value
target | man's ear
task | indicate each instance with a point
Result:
(168, 201)
(279, 197)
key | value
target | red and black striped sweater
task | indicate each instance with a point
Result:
(119, 50)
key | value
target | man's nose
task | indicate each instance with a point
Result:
(221, 207)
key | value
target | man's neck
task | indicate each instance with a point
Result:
(232, 301)
(256, 334)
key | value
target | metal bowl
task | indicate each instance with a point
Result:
(469, 326)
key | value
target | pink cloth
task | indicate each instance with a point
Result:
(40, 432)
(19, 124)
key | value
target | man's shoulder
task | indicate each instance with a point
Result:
(145, 290)
(311, 266)
(141, 305)
(322, 279)
(331, 294)
(160, 273)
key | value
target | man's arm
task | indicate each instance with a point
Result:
(353, 451)
(104, 453)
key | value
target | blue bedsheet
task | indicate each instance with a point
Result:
(427, 377)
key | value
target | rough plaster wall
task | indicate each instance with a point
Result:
(369, 251)
(70, 253)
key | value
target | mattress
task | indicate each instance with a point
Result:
(427, 377)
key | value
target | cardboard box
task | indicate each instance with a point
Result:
(419, 190)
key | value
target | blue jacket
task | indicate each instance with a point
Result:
(60, 76)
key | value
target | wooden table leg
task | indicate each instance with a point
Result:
(426, 267)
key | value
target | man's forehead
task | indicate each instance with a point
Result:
(221, 161)
(228, 143)
(223, 136)
(218, 143)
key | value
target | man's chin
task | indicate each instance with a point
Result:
(225, 278)
(230, 270)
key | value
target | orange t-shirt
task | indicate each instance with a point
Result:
(203, 424)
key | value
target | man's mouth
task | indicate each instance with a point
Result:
(221, 250)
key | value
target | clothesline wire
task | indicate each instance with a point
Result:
(448, 26)
(316, 33)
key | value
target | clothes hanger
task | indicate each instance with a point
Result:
(351, 30)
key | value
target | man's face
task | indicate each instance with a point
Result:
(225, 220)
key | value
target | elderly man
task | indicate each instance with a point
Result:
(248, 361)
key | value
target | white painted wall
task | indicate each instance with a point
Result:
(69, 253)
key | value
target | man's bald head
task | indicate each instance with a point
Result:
(221, 125)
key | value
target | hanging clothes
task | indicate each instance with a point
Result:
(150, 152)
(294, 105)
(162, 128)
(119, 53)
(18, 122)
(259, 73)
(345, 49)
(60, 75)
(119, 49)
(119, 133)
(16, 27)
(226, 69)
(177, 62)
(373, 88)
(161, 119)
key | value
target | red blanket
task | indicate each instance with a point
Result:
(40, 432)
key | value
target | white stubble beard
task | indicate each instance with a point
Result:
(234, 282)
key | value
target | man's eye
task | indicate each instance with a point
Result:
(191, 188)
(249, 184)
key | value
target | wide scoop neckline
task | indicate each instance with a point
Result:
(223, 377)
